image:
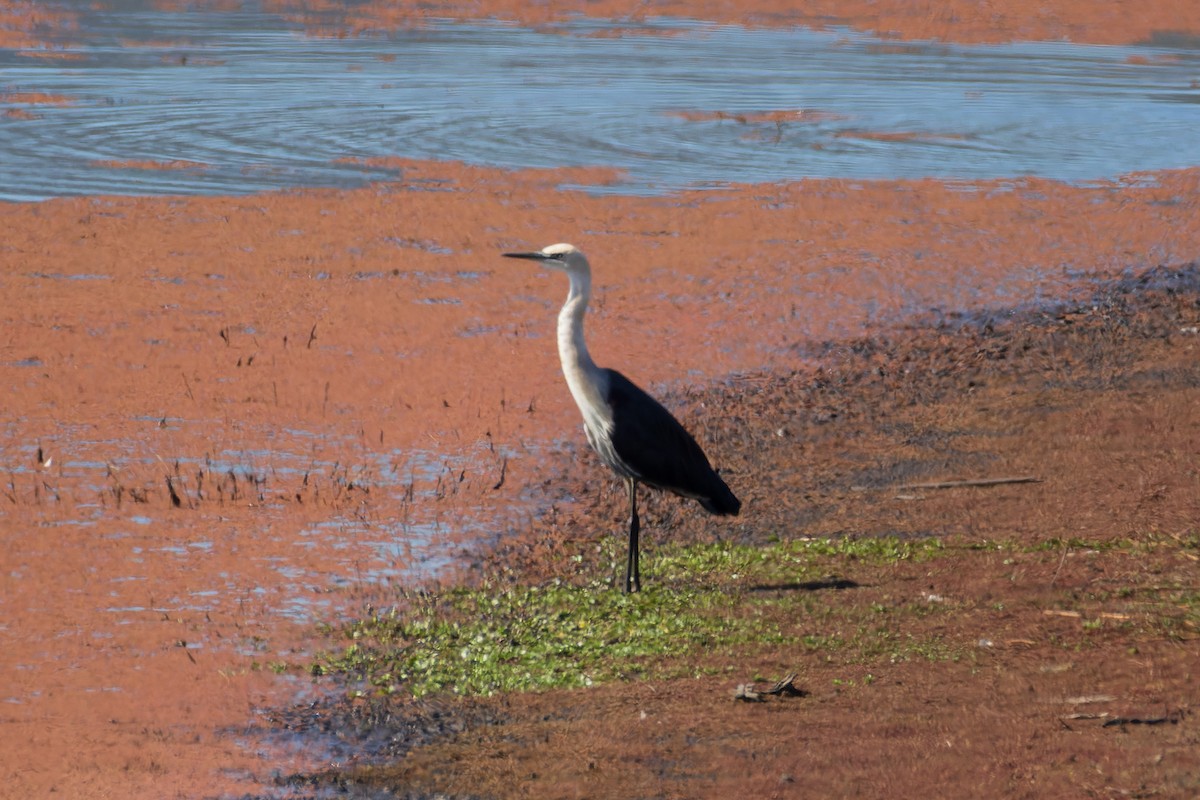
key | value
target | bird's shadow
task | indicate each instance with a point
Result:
(807, 586)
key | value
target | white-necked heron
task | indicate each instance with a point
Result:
(631, 432)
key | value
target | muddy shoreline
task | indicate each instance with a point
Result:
(204, 387)
(940, 399)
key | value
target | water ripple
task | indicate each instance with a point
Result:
(251, 104)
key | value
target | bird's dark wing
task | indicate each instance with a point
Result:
(659, 452)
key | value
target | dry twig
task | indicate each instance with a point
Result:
(968, 483)
(786, 686)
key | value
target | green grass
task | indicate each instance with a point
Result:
(521, 638)
(710, 609)
(704, 600)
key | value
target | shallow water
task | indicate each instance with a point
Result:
(354, 550)
(254, 103)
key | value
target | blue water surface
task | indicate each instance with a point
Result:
(263, 105)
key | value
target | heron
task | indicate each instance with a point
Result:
(630, 431)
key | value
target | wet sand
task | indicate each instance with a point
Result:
(199, 385)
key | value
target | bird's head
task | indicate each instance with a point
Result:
(558, 256)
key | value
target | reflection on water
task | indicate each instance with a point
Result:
(236, 102)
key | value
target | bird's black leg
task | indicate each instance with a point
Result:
(633, 578)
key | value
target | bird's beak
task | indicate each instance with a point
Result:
(536, 256)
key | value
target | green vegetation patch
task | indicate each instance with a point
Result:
(701, 598)
(520, 638)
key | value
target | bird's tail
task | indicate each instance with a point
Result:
(720, 500)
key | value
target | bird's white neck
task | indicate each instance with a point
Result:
(585, 379)
(572, 349)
